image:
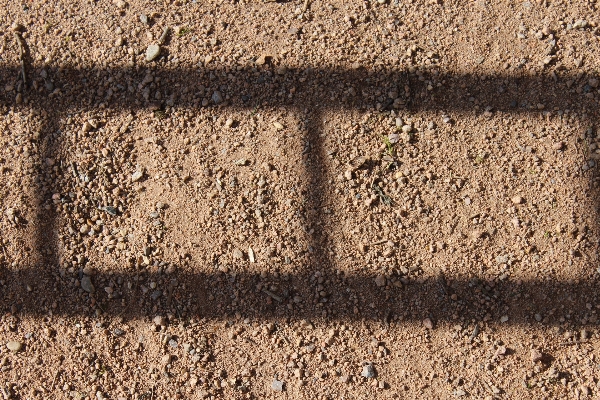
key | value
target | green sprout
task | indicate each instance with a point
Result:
(184, 31)
(389, 146)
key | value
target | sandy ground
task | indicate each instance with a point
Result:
(303, 199)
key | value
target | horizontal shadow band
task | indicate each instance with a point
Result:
(136, 88)
(303, 295)
(331, 295)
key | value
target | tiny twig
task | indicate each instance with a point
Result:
(306, 4)
(273, 295)
(378, 242)
(21, 57)
(163, 37)
(574, 342)
(54, 380)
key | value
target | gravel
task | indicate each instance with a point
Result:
(313, 215)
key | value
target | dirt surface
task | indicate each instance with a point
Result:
(303, 199)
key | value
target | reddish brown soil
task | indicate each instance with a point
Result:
(291, 192)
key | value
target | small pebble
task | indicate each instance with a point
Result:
(277, 385)
(238, 254)
(118, 332)
(536, 355)
(427, 323)
(14, 346)
(86, 284)
(368, 371)
(152, 52)
(137, 175)
(217, 98)
(517, 199)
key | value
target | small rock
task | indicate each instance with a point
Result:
(118, 332)
(348, 175)
(263, 59)
(86, 284)
(380, 280)
(110, 210)
(16, 27)
(393, 138)
(500, 351)
(159, 320)
(251, 255)
(229, 123)
(277, 385)
(504, 318)
(166, 359)
(88, 270)
(517, 199)
(586, 391)
(238, 254)
(558, 145)
(278, 126)
(152, 52)
(536, 355)
(217, 97)
(144, 19)
(137, 175)
(156, 295)
(368, 371)
(84, 229)
(427, 323)
(14, 346)
(86, 127)
(357, 162)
